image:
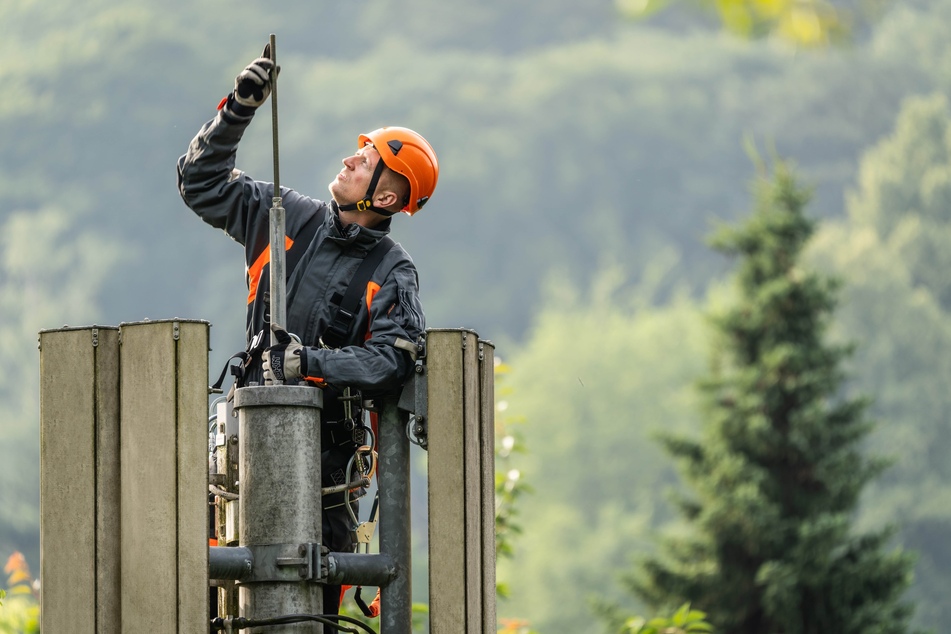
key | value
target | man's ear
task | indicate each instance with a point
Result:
(385, 198)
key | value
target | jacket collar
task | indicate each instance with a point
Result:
(354, 234)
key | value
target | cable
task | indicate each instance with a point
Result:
(240, 623)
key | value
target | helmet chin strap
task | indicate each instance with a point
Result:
(367, 203)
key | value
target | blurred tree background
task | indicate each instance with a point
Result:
(585, 151)
(776, 476)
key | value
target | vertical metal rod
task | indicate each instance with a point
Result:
(396, 608)
(277, 171)
(278, 307)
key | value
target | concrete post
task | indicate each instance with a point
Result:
(163, 475)
(124, 477)
(79, 483)
(280, 504)
(460, 414)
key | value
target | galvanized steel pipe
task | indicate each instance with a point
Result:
(227, 562)
(279, 480)
(360, 569)
(396, 607)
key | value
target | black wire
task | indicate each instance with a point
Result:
(241, 623)
(350, 619)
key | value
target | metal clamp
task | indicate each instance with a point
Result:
(284, 562)
(415, 399)
(304, 562)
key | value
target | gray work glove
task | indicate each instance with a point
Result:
(253, 85)
(282, 361)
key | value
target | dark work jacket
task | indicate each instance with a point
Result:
(378, 356)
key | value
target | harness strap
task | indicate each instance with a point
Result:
(235, 369)
(348, 305)
(254, 347)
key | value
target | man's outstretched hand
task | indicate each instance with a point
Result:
(282, 361)
(252, 86)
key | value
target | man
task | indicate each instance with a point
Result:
(371, 349)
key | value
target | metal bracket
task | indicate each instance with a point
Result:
(95, 337)
(304, 562)
(284, 562)
(176, 330)
(415, 398)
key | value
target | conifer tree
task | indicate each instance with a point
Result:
(777, 475)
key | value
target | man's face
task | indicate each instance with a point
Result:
(351, 184)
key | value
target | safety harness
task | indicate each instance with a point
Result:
(350, 431)
(348, 305)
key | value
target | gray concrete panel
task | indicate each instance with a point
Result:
(149, 486)
(193, 508)
(487, 434)
(444, 368)
(108, 501)
(472, 466)
(68, 480)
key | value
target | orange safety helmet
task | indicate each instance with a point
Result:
(406, 152)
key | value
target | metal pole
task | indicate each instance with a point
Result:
(360, 569)
(229, 562)
(277, 171)
(396, 608)
(278, 307)
(280, 505)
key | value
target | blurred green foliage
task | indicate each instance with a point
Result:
(776, 476)
(601, 374)
(51, 272)
(683, 621)
(509, 484)
(20, 611)
(807, 23)
(889, 251)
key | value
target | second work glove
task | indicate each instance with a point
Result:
(282, 361)
(253, 85)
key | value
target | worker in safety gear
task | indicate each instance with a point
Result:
(391, 170)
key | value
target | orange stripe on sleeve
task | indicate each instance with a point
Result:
(254, 271)
(372, 288)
